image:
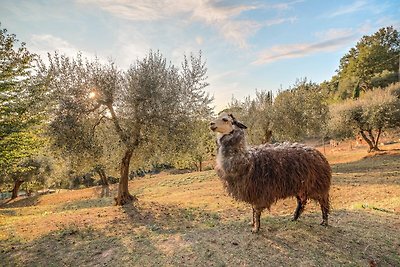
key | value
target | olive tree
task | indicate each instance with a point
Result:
(368, 115)
(148, 105)
(299, 112)
(256, 114)
(33, 170)
(73, 118)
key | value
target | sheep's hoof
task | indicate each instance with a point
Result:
(324, 223)
(255, 230)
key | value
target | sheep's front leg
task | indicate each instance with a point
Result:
(256, 219)
(253, 219)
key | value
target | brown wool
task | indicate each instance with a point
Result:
(261, 175)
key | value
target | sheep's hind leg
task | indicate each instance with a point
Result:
(324, 202)
(301, 203)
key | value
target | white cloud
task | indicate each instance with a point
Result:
(354, 7)
(385, 21)
(283, 5)
(277, 21)
(222, 17)
(334, 33)
(280, 52)
(42, 44)
(129, 46)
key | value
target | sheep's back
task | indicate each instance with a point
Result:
(284, 170)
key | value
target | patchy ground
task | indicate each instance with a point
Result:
(188, 220)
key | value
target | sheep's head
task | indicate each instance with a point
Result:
(225, 124)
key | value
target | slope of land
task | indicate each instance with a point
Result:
(188, 219)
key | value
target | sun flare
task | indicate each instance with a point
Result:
(92, 95)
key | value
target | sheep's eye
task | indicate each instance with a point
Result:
(225, 119)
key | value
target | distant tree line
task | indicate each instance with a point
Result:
(361, 99)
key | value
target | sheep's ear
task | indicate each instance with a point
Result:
(239, 124)
(236, 122)
(230, 115)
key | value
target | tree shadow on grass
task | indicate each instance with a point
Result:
(285, 243)
(86, 204)
(376, 169)
(169, 218)
(21, 202)
(377, 162)
(353, 238)
(152, 234)
(77, 246)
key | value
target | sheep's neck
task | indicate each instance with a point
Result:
(232, 143)
(233, 154)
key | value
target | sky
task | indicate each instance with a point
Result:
(247, 45)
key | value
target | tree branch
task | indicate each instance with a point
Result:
(371, 145)
(97, 124)
(377, 137)
(97, 106)
(122, 135)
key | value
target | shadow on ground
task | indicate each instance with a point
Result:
(381, 168)
(152, 234)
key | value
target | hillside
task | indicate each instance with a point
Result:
(187, 219)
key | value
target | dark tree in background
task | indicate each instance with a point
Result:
(374, 61)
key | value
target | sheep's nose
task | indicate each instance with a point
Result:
(212, 123)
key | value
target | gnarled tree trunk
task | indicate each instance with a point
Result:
(105, 187)
(15, 190)
(370, 139)
(124, 196)
(267, 136)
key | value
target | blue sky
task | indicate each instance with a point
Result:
(248, 45)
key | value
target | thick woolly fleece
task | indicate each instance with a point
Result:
(261, 175)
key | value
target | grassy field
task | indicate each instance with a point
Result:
(188, 220)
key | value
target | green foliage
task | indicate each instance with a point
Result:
(372, 62)
(19, 115)
(199, 147)
(72, 123)
(34, 170)
(375, 110)
(256, 115)
(100, 112)
(299, 112)
(164, 107)
(356, 91)
(384, 78)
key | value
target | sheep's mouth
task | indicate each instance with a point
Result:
(213, 128)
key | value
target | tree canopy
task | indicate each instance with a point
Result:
(19, 138)
(149, 106)
(372, 62)
(299, 112)
(368, 115)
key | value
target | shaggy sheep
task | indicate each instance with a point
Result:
(261, 175)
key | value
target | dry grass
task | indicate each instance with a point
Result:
(188, 220)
